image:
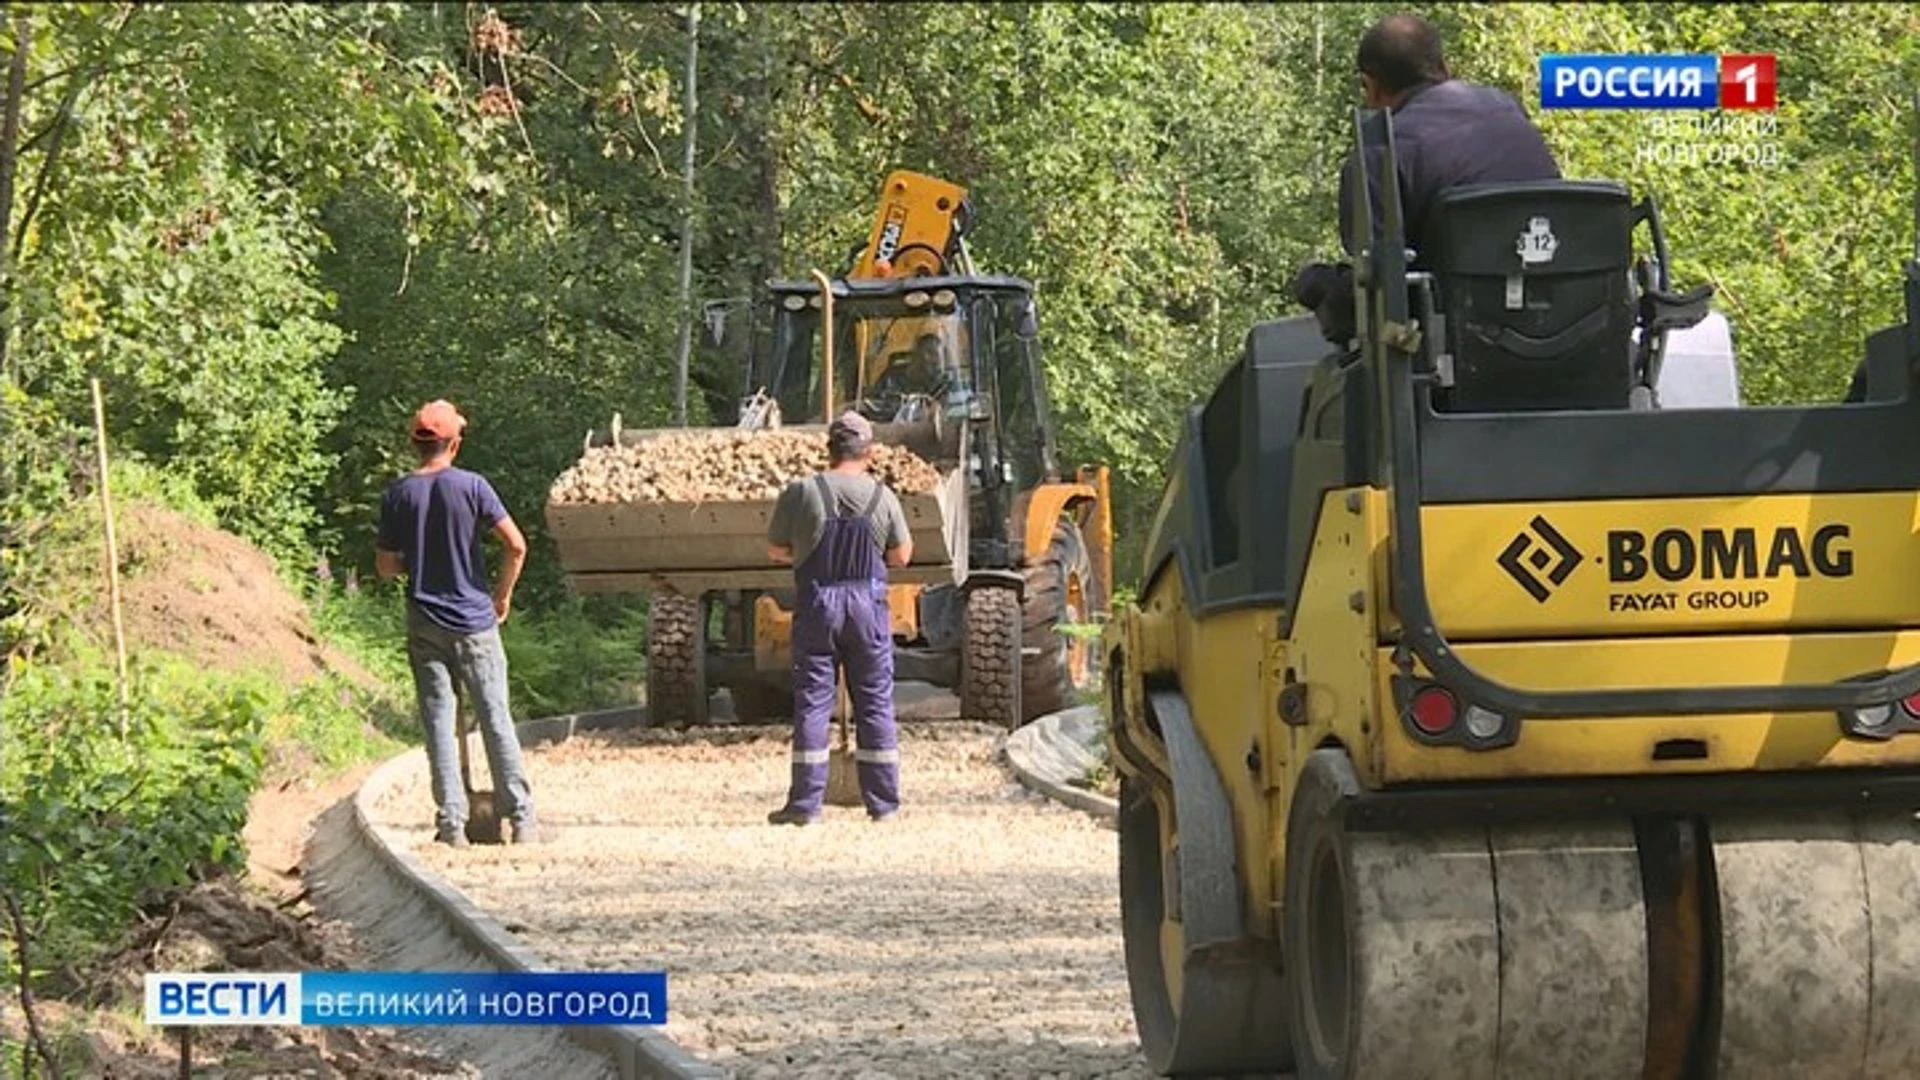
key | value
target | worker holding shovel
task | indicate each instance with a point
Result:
(432, 522)
(841, 529)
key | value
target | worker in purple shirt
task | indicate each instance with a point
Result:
(841, 529)
(433, 522)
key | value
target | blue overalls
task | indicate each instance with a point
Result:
(840, 618)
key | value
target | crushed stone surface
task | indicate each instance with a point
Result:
(395, 929)
(976, 935)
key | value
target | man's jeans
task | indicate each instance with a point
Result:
(445, 663)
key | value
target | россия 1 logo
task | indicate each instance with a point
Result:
(1671, 81)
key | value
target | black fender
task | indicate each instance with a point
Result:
(1235, 992)
(996, 579)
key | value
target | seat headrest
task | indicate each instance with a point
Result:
(1531, 227)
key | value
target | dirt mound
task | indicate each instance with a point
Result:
(215, 926)
(212, 597)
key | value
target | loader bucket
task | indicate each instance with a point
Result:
(698, 547)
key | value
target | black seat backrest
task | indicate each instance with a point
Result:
(1533, 280)
(1247, 433)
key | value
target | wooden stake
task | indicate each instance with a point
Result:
(113, 550)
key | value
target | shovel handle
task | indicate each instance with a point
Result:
(460, 740)
(842, 707)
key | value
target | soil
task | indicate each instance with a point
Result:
(280, 821)
(976, 935)
(210, 596)
(263, 923)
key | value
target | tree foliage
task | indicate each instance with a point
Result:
(273, 230)
(166, 242)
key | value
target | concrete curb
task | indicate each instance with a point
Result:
(636, 1051)
(1050, 753)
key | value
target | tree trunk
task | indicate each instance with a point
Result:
(767, 154)
(763, 247)
(9, 168)
(687, 214)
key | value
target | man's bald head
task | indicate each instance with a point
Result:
(1401, 51)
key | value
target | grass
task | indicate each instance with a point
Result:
(1103, 779)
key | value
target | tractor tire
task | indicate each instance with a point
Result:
(1061, 591)
(676, 661)
(990, 658)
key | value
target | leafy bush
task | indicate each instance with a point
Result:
(96, 821)
(326, 723)
(37, 473)
(572, 657)
(369, 626)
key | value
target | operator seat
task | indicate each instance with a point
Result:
(1533, 280)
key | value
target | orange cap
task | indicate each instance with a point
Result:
(438, 420)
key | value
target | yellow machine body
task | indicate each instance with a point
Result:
(1007, 548)
(1816, 628)
(913, 229)
(915, 232)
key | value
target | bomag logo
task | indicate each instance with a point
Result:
(1735, 555)
(1540, 559)
(1536, 548)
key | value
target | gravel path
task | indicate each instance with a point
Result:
(395, 930)
(977, 935)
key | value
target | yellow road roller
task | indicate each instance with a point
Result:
(1505, 699)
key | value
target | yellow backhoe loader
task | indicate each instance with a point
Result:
(1498, 706)
(1011, 555)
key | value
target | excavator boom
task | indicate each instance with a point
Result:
(917, 230)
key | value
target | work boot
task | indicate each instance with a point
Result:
(456, 838)
(787, 815)
(883, 819)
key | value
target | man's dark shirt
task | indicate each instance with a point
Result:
(1446, 134)
(436, 522)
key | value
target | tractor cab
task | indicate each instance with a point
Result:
(940, 349)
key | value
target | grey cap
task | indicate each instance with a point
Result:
(850, 433)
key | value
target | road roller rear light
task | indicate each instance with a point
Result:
(1911, 706)
(1433, 710)
(1876, 721)
(1484, 724)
